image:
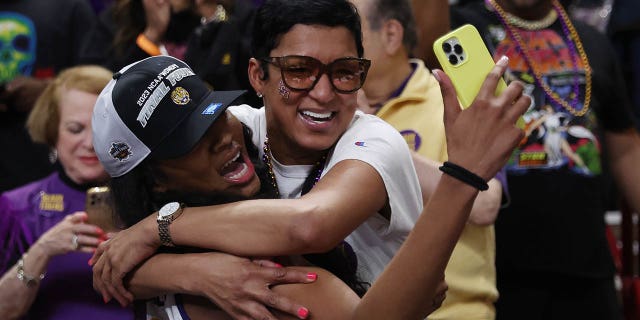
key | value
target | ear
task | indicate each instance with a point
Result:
(392, 35)
(256, 75)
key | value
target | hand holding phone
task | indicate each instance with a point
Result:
(464, 57)
(466, 60)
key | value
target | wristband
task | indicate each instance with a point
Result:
(147, 45)
(28, 280)
(464, 175)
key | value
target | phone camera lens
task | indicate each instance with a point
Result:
(453, 59)
(457, 49)
(446, 47)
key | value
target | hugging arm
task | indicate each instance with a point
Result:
(314, 223)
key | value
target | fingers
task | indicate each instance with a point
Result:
(97, 254)
(267, 263)
(281, 275)
(451, 105)
(121, 293)
(98, 285)
(281, 303)
(77, 217)
(518, 108)
(488, 88)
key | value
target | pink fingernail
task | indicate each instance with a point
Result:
(504, 60)
(312, 276)
(278, 265)
(436, 75)
(303, 313)
(89, 262)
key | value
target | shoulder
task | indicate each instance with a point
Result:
(246, 112)
(21, 197)
(366, 127)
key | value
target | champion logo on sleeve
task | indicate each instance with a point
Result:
(360, 144)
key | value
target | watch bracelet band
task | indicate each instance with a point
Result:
(28, 280)
(163, 231)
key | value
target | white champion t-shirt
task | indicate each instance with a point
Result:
(375, 142)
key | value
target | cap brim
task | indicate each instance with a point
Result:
(189, 132)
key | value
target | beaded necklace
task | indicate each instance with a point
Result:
(573, 42)
(309, 182)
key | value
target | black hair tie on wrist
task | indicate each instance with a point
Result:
(464, 175)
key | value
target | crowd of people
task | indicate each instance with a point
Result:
(300, 159)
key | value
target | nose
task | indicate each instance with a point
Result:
(222, 133)
(323, 90)
(87, 140)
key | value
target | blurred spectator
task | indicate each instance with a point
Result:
(36, 44)
(624, 29)
(45, 242)
(211, 36)
(431, 24)
(553, 259)
(131, 30)
(99, 5)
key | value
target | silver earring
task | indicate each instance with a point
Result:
(53, 155)
(259, 94)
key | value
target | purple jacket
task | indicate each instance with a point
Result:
(67, 290)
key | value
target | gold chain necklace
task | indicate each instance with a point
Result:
(572, 38)
(318, 168)
(543, 23)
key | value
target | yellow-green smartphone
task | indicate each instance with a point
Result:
(464, 57)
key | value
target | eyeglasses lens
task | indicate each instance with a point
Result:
(302, 73)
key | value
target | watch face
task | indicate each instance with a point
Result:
(169, 209)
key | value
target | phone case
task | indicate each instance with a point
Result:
(99, 210)
(466, 60)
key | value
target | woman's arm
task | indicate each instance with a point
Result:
(480, 139)
(16, 295)
(485, 207)
(314, 223)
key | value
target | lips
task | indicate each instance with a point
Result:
(316, 120)
(89, 160)
(238, 170)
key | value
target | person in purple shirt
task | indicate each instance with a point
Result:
(43, 235)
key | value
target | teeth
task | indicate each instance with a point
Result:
(231, 161)
(317, 115)
(241, 173)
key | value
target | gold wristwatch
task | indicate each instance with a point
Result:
(166, 215)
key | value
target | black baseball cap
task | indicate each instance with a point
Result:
(155, 108)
